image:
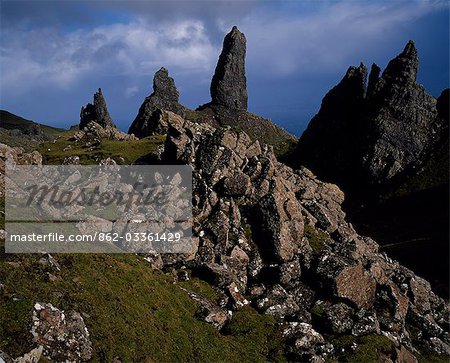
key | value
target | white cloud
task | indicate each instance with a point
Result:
(131, 91)
(322, 40)
(131, 49)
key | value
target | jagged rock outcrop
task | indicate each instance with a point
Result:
(403, 119)
(165, 97)
(329, 145)
(96, 123)
(93, 133)
(368, 137)
(96, 112)
(386, 146)
(277, 239)
(229, 84)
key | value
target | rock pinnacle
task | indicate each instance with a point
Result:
(97, 112)
(229, 84)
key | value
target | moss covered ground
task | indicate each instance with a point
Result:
(131, 311)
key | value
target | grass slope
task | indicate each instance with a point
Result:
(123, 152)
(132, 312)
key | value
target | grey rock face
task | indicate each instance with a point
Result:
(404, 120)
(339, 318)
(97, 112)
(165, 97)
(229, 84)
(373, 136)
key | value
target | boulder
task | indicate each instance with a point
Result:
(339, 318)
(357, 285)
(63, 335)
(281, 223)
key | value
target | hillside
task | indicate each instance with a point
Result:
(17, 131)
(278, 274)
(10, 121)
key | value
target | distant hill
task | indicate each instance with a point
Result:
(11, 121)
(17, 131)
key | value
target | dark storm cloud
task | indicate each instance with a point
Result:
(69, 13)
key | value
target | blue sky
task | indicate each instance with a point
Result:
(55, 54)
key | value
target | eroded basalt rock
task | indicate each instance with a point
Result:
(229, 84)
(371, 137)
(165, 97)
(249, 213)
(96, 112)
(357, 285)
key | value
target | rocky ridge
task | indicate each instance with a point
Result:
(227, 108)
(384, 140)
(96, 112)
(277, 238)
(96, 123)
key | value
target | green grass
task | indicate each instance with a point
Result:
(201, 288)
(316, 238)
(130, 151)
(367, 348)
(131, 312)
(318, 311)
(256, 332)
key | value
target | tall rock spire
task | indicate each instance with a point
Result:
(97, 112)
(229, 84)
